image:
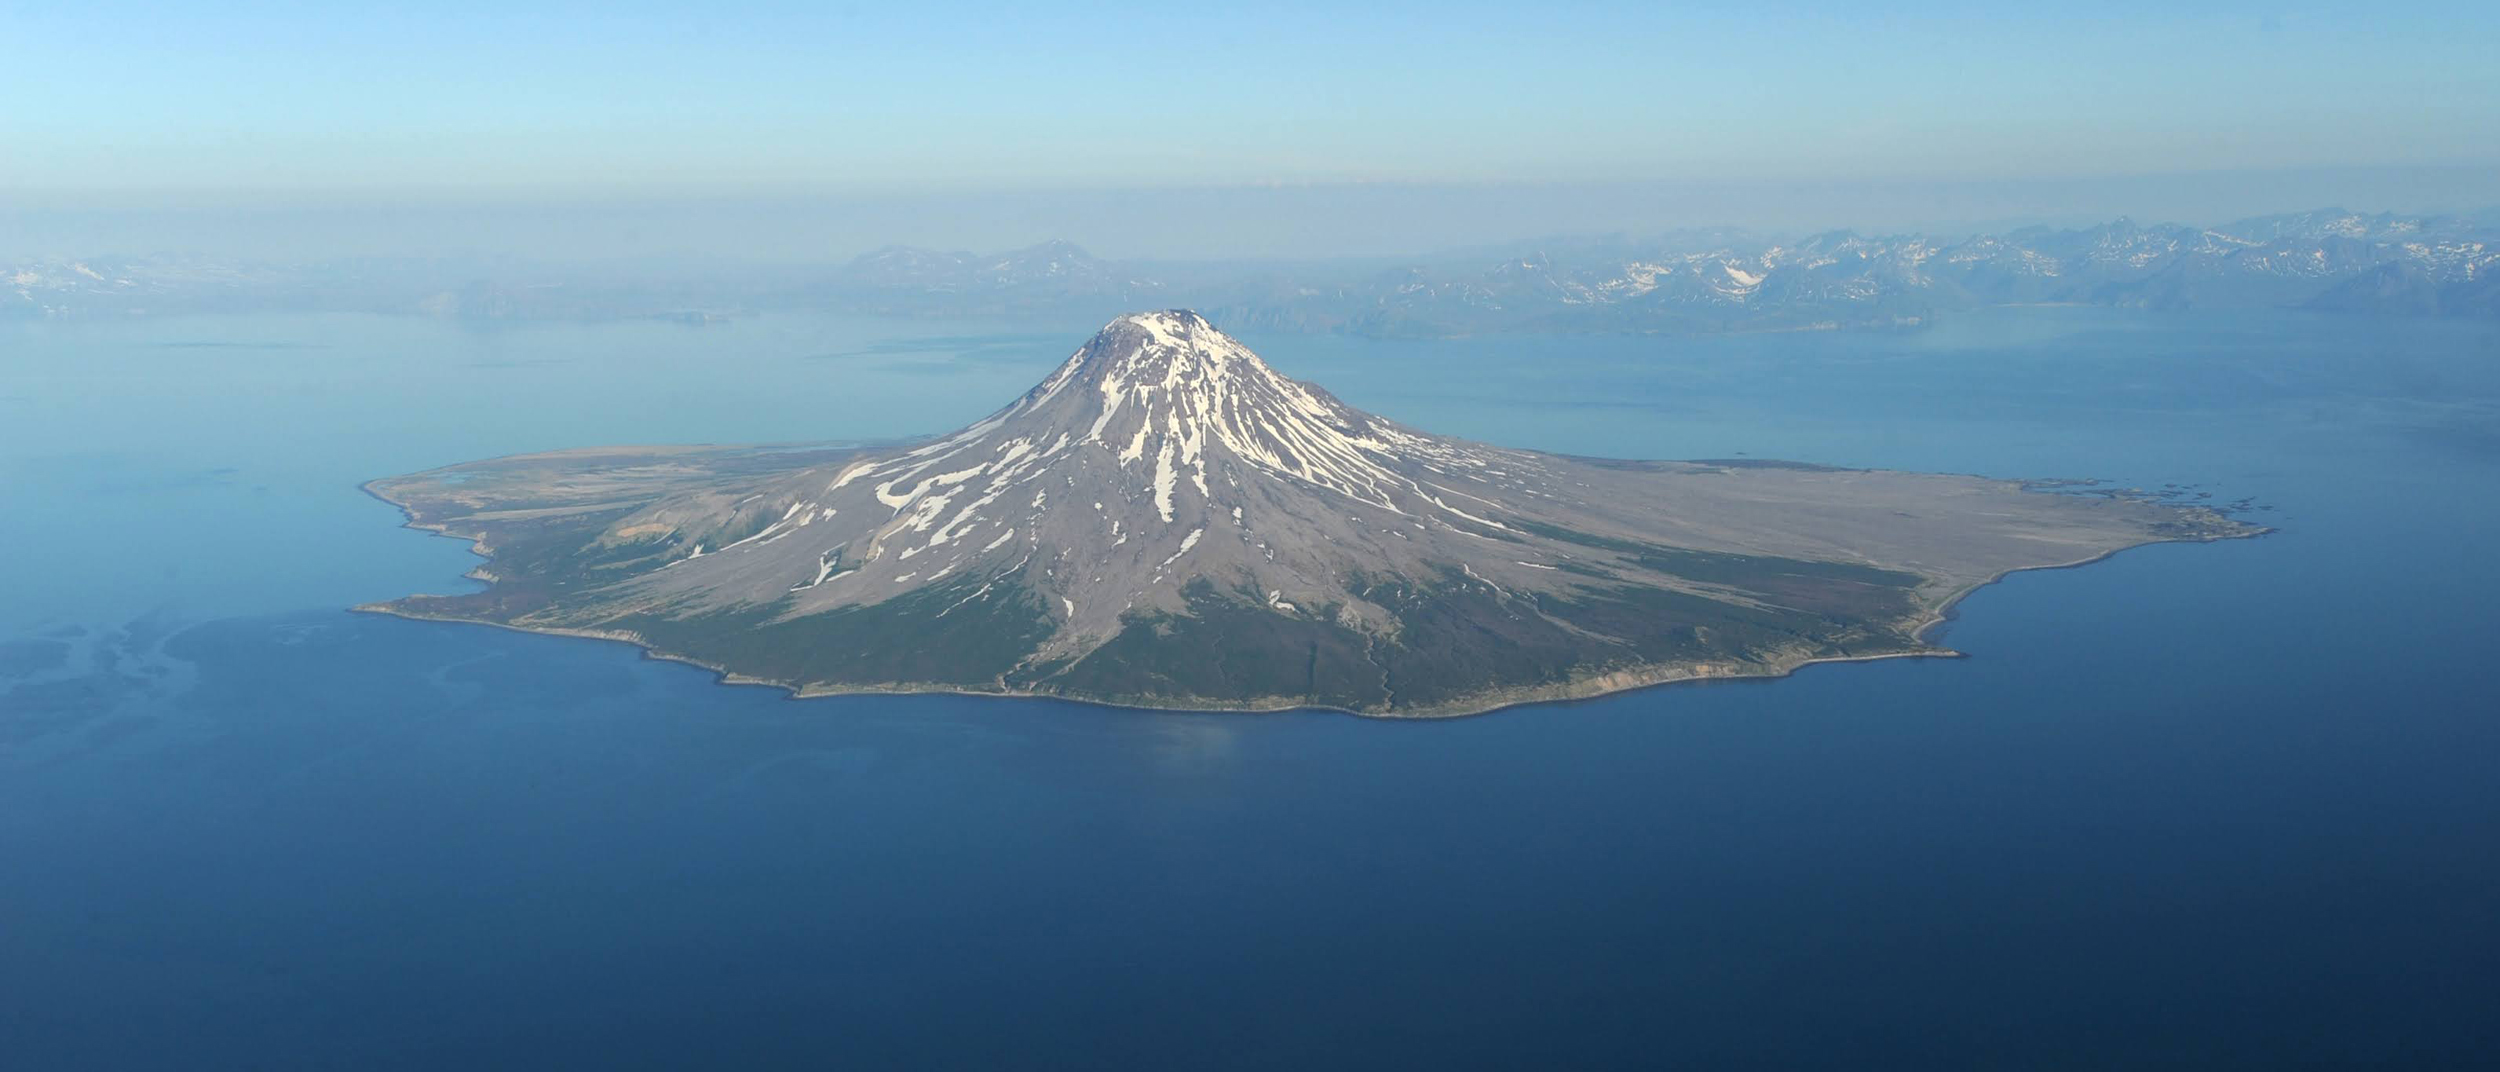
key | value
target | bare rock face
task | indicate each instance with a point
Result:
(1167, 521)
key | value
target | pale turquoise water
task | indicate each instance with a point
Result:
(2225, 804)
(209, 465)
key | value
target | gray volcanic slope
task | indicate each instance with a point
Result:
(1166, 521)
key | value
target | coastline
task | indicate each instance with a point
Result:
(1595, 687)
(1613, 681)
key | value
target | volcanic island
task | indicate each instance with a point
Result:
(1167, 522)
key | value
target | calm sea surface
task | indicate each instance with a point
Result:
(2223, 805)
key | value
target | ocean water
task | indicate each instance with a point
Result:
(2232, 805)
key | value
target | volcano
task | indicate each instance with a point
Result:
(1165, 521)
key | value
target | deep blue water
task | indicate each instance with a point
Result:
(2222, 805)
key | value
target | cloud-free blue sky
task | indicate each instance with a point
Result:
(152, 104)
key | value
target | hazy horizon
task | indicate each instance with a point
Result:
(1277, 222)
(777, 133)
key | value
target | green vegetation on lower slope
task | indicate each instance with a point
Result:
(1456, 642)
(962, 634)
(1224, 652)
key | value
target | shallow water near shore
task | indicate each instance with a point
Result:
(2226, 804)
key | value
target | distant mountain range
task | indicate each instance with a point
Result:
(1719, 280)
(1682, 282)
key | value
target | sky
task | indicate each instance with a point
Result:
(1316, 129)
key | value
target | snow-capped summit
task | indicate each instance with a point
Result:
(1160, 448)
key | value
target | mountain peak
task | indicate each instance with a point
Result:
(1173, 364)
(1168, 393)
(1162, 323)
(1166, 319)
(1163, 347)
